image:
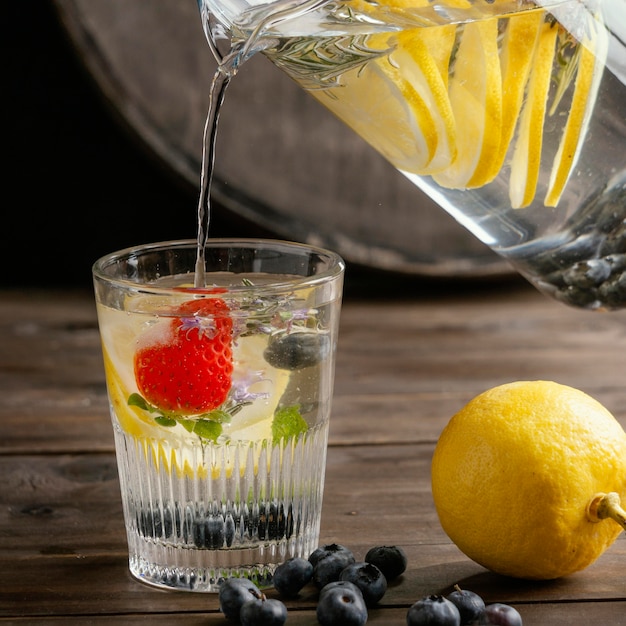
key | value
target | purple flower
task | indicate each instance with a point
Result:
(286, 319)
(240, 389)
(205, 326)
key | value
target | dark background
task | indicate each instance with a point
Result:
(73, 177)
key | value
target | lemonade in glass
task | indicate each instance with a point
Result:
(220, 402)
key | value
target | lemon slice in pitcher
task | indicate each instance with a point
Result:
(516, 60)
(424, 56)
(593, 53)
(476, 100)
(526, 160)
(384, 108)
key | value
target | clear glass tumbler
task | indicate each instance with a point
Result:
(220, 400)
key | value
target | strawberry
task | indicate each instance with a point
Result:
(184, 365)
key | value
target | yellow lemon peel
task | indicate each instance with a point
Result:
(593, 54)
(463, 89)
(424, 55)
(526, 160)
(475, 92)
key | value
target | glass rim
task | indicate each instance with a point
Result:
(335, 269)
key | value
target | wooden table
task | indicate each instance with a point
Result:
(404, 366)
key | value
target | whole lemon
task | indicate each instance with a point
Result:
(527, 479)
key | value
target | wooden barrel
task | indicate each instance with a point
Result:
(282, 161)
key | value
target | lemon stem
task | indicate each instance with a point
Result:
(607, 506)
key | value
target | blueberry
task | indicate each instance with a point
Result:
(499, 614)
(292, 575)
(341, 605)
(433, 611)
(329, 569)
(230, 530)
(328, 562)
(296, 351)
(234, 593)
(209, 532)
(323, 551)
(341, 584)
(585, 274)
(368, 578)
(470, 604)
(390, 560)
(149, 523)
(264, 613)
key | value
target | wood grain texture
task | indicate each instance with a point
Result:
(404, 367)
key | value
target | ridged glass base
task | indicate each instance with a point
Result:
(201, 513)
(168, 567)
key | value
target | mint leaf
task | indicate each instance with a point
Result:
(162, 420)
(221, 417)
(288, 422)
(188, 425)
(207, 429)
(136, 400)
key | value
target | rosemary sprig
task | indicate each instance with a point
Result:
(316, 63)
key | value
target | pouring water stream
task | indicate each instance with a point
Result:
(228, 64)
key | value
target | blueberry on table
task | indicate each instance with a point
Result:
(470, 604)
(234, 593)
(390, 560)
(329, 549)
(341, 606)
(290, 576)
(499, 614)
(433, 610)
(266, 612)
(328, 563)
(368, 578)
(343, 584)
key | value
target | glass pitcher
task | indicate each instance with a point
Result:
(510, 114)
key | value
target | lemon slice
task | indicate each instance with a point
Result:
(254, 422)
(591, 64)
(148, 435)
(440, 42)
(399, 103)
(476, 100)
(527, 155)
(379, 104)
(423, 54)
(131, 419)
(516, 59)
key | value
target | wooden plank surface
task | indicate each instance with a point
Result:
(404, 367)
(411, 363)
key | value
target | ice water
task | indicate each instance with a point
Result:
(236, 489)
